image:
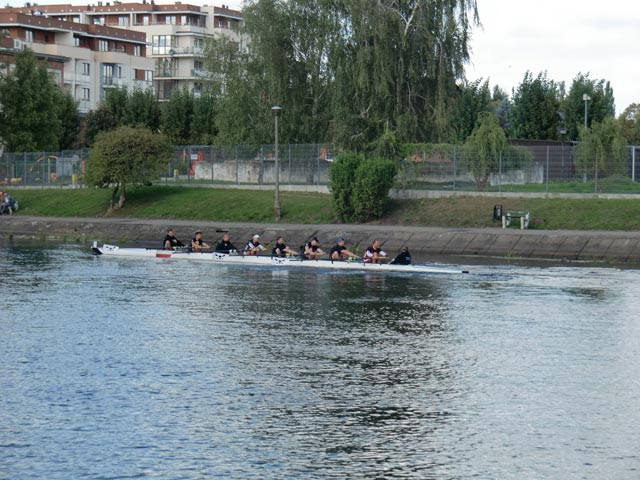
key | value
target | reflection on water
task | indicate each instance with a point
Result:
(121, 368)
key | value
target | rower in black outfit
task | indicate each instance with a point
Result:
(225, 246)
(170, 242)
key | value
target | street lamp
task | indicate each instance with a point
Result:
(276, 202)
(586, 99)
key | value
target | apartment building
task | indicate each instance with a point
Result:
(86, 59)
(176, 34)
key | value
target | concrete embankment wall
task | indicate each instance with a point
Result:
(425, 243)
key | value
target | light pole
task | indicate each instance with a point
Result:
(586, 99)
(276, 202)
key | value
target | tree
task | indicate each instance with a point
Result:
(534, 109)
(97, 121)
(602, 149)
(630, 123)
(142, 110)
(126, 156)
(600, 106)
(177, 116)
(29, 117)
(203, 122)
(69, 119)
(474, 98)
(484, 147)
(346, 70)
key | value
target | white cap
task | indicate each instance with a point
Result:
(256, 236)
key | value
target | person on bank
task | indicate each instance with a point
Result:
(197, 244)
(374, 254)
(403, 258)
(254, 247)
(312, 250)
(280, 249)
(225, 245)
(340, 252)
(170, 242)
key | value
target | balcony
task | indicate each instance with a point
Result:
(165, 72)
(116, 82)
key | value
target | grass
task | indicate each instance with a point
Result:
(311, 208)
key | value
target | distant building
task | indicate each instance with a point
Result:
(86, 60)
(175, 34)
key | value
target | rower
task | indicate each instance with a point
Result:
(253, 247)
(374, 254)
(197, 244)
(281, 250)
(170, 242)
(312, 250)
(403, 258)
(340, 252)
(225, 245)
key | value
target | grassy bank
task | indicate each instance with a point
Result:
(257, 206)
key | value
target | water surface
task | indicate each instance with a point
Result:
(128, 368)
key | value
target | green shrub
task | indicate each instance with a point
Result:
(360, 186)
(374, 178)
(342, 176)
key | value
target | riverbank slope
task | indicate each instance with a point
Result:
(425, 243)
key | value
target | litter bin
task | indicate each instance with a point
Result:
(497, 212)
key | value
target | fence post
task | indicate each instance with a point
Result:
(547, 169)
(237, 176)
(289, 163)
(500, 173)
(318, 164)
(633, 163)
(213, 161)
(595, 185)
(455, 167)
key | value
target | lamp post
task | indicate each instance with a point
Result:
(586, 99)
(276, 202)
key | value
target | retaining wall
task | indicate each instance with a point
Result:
(425, 243)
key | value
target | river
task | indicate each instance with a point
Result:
(128, 368)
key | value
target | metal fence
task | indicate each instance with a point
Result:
(543, 168)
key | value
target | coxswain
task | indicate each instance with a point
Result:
(403, 258)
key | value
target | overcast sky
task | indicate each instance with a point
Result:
(561, 37)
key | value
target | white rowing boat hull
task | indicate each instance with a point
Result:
(265, 261)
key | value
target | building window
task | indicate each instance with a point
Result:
(28, 36)
(86, 94)
(103, 45)
(148, 75)
(163, 44)
(98, 20)
(76, 42)
(137, 50)
(86, 69)
(123, 21)
(170, 19)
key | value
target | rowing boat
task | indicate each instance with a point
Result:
(264, 261)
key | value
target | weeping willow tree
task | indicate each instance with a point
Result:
(343, 70)
(399, 67)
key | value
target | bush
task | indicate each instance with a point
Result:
(342, 176)
(374, 178)
(360, 186)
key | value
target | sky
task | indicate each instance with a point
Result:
(561, 37)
